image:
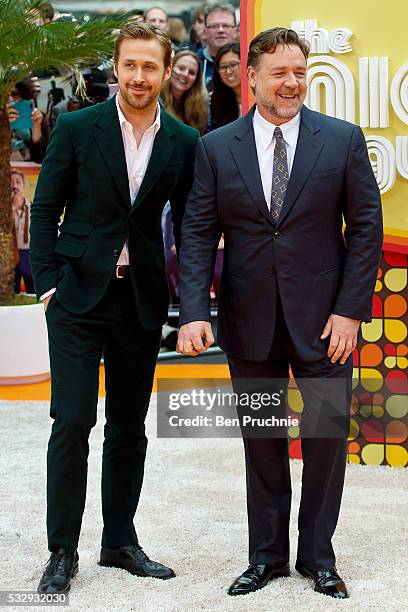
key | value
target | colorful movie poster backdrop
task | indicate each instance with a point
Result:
(30, 171)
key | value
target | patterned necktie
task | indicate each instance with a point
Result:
(280, 176)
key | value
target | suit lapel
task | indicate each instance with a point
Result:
(161, 152)
(243, 149)
(108, 136)
(308, 149)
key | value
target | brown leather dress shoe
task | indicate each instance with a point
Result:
(134, 560)
(256, 577)
(59, 571)
(326, 581)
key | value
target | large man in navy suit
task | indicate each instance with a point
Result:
(279, 184)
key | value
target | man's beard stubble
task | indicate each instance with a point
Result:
(281, 113)
(137, 103)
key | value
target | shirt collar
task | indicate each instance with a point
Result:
(266, 129)
(207, 55)
(123, 121)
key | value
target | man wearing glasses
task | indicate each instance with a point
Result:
(220, 29)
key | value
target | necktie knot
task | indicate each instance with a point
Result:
(278, 133)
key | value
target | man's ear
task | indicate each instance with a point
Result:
(167, 73)
(115, 72)
(251, 74)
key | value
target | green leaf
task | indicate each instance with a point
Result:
(26, 45)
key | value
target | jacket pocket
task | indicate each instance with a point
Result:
(328, 172)
(69, 249)
(330, 270)
(79, 228)
(174, 165)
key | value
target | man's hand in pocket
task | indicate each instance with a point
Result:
(46, 301)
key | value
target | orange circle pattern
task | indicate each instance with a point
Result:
(379, 423)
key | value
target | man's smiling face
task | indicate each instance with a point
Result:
(279, 83)
(140, 72)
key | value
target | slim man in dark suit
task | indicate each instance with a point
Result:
(278, 183)
(110, 168)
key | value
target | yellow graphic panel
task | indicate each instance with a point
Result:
(358, 71)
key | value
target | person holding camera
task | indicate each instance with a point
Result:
(30, 141)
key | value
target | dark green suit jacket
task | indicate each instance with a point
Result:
(84, 176)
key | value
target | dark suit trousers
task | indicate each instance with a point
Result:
(76, 344)
(267, 463)
(23, 270)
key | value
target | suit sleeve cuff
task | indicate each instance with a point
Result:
(47, 294)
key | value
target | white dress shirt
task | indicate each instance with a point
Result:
(265, 147)
(137, 159)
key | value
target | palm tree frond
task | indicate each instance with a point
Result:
(27, 45)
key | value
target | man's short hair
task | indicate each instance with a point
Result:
(143, 31)
(159, 8)
(267, 41)
(15, 171)
(225, 7)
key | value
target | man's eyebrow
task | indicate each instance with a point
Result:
(146, 61)
(284, 67)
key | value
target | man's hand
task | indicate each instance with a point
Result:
(46, 300)
(191, 337)
(343, 338)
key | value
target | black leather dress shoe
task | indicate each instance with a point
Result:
(256, 577)
(326, 581)
(59, 571)
(134, 560)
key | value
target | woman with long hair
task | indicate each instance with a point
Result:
(183, 95)
(226, 96)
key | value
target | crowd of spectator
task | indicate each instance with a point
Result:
(204, 91)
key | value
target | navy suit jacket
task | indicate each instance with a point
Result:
(316, 268)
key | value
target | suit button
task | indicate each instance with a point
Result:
(270, 269)
(116, 253)
(277, 234)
